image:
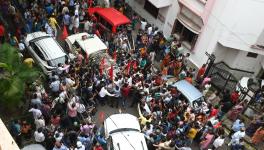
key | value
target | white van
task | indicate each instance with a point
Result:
(89, 44)
(45, 51)
(122, 132)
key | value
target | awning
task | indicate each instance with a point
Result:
(188, 23)
(160, 3)
(240, 42)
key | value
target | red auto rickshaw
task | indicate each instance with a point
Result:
(109, 18)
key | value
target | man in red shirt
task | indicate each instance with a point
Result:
(2, 33)
(201, 72)
(125, 90)
(234, 97)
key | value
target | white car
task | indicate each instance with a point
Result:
(92, 45)
(122, 132)
(246, 83)
(45, 51)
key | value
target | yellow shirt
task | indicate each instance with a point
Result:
(192, 133)
(143, 120)
(29, 62)
(53, 22)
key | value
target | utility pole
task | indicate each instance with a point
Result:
(209, 62)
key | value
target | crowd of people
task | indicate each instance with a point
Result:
(63, 112)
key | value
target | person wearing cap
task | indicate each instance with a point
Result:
(79, 146)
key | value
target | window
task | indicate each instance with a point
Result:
(185, 35)
(106, 25)
(154, 11)
(253, 55)
(37, 51)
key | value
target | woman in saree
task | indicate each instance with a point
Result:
(253, 126)
(235, 111)
(258, 136)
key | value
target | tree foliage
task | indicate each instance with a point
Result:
(14, 75)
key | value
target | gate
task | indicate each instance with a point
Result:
(224, 77)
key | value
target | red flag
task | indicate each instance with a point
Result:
(101, 67)
(115, 55)
(111, 73)
(64, 34)
(101, 116)
(135, 65)
(128, 67)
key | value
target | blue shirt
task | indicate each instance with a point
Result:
(237, 125)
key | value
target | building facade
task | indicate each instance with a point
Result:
(232, 30)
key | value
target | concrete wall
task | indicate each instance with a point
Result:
(221, 19)
(168, 13)
(232, 18)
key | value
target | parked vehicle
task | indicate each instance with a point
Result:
(191, 93)
(89, 44)
(246, 83)
(45, 51)
(122, 132)
(109, 19)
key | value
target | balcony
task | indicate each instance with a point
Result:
(196, 6)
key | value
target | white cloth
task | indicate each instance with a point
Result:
(103, 92)
(55, 86)
(150, 30)
(39, 137)
(21, 47)
(36, 112)
(237, 136)
(143, 25)
(39, 123)
(76, 22)
(218, 142)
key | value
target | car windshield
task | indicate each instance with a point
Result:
(55, 62)
(253, 84)
(123, 130)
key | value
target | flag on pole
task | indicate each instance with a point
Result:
(115, 55)
(101, 66)
(101, 116)
(128, 67)
(64, 34)
(111, 73)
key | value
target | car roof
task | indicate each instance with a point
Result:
(188, 90)
(48, 45)
(113, 16)
(51, 48)
(129, 140)
(91, 45)
(119, 121)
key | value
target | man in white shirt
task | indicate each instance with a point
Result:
(237, 136)
(87, 26)
(36, 112)
(40, 122)
(218, 142)
(150, 28)
(102, 95)
(55, 86)
(143, 24)
(39, 136)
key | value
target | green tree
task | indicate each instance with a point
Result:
(14, 75)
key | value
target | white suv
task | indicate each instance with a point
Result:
(45, 51)
(122, 132)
